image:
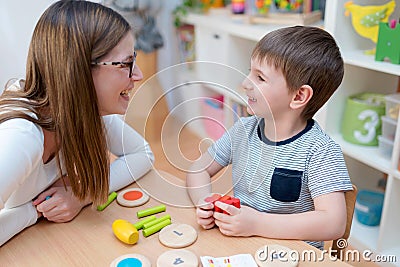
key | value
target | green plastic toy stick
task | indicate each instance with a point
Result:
(155, 228)
(111, 198)
(151, 211)
(139, 224)
(157, 221)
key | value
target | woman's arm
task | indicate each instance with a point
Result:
(21, 151)
(135, 157)
(14, 220)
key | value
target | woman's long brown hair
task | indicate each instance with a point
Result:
(59, 89)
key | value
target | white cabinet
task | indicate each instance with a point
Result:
(211, 44)
(222, 40)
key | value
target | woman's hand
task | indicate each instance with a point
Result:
(62, 206)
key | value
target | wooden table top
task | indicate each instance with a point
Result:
(88, 240)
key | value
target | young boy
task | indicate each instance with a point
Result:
(288, 174)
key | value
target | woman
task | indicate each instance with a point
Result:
(57, 126)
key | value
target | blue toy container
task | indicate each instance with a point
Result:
(369, 207)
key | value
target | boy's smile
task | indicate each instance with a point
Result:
(266, 90)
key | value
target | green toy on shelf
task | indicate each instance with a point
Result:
(388, 45)
(365, 19)
(361, 122)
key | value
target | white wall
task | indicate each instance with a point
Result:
(169, 54)
(17, 21)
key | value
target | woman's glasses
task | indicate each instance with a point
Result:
(123, 64)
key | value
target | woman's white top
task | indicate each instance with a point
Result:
(23, 175)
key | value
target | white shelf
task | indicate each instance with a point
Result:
(396, 174)
(363, 236)
(236, 26)
(365, 154)
(359, 59)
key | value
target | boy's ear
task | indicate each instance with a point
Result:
(302, 97)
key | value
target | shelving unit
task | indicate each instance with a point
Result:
(228, 43)
(363, 73)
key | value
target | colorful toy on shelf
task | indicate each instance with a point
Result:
(289, 5)
(388, 45)
(238, 6)
(366, 19)
(361, 123)
(263, 6)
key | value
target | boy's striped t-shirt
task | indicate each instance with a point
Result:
(281, 177)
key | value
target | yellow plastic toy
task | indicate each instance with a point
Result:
(125, 231)
(365, 19)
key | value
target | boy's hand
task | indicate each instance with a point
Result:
(238, 222)
(204, 214)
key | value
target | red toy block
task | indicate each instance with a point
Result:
(228, 200)
(213, 198)
(236, 202)
(224, 198)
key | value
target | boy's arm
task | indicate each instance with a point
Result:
(327, 222)
(198, 179)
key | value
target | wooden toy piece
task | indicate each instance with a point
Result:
(132, 197)
(274, 255)
(177, 257)
(388, 45)
(125, 231)
(131, 260)
(177, 235)
(151, 211)
(155, 228)
(110, 199)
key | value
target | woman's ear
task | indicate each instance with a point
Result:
(302, 97)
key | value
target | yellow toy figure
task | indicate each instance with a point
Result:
(365, 19)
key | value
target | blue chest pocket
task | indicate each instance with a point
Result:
(286, 185)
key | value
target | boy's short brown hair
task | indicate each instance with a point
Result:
(306, 56)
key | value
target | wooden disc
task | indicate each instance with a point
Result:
(178, 257)
(276, 256)
(132, 197)
(131, 260)
(177, 235)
